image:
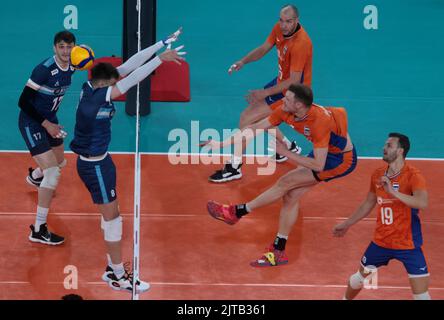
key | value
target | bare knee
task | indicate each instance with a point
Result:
(293, 196)
(46, 160)
(285, 184)
(419, 285)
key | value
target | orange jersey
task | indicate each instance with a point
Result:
(294, 54)
(397, 225)
(324, 127)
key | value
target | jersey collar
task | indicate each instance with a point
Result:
(309, 112)
(66, 69)
(299, 27)
(395, 175)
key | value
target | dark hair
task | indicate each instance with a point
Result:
(302, 93)
(104, 71)
(403, 141)
(72, 296)
(293, 7)
(66, 36)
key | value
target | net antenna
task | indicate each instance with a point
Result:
(136, 226)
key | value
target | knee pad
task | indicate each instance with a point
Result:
(422, 296)
(112, 229)
(62, 164)
(50, 178)
(357, 281)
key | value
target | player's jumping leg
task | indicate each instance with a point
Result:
(300, 177)
(117, 275)
(275, 253)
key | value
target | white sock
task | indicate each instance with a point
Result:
(37, 173)
(236, 161)
(118, 269)
(282, 236)
(42, 214)
(422, 296)
(108, 257)
(247, 207)
(287, 142)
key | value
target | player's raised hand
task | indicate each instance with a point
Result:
(387, 184)
(235, 67)
(340, 229)
(172, 38)
(54, 129)
(173, 55)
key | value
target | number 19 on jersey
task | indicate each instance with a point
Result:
(386, 215)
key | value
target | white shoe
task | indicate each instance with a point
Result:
(125, 282)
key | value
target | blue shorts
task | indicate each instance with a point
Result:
(413, 259)
(272, 99)
(99, 178)
(36, 137)
(337, 165)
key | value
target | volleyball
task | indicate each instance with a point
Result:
(82, 57)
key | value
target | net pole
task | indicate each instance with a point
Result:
(136, 226)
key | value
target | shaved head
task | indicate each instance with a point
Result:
(289, 8)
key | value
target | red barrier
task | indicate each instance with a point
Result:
(170, 81)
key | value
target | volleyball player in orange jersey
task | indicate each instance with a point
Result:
(294, 50)
(333, 156)
(399, 191)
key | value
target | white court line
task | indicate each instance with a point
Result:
(200, 284)
(95, 214)
(215, 154)
(178, 215)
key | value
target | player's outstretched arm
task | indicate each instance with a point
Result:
(363, 211)
(254, 55)
(247, 134)
(316, 164)
(144, 55)
(144, 71)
